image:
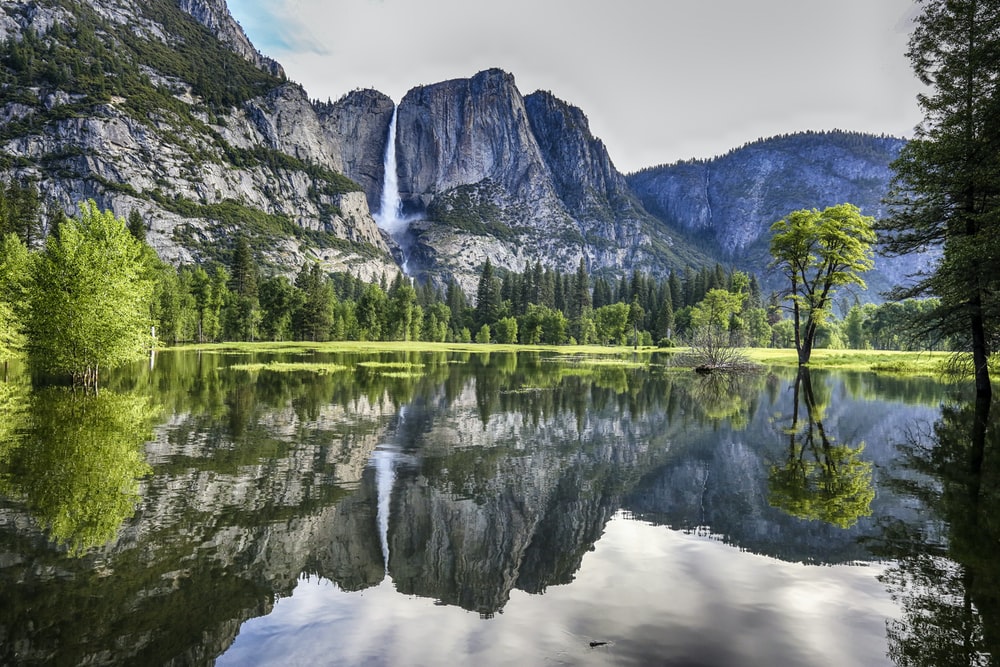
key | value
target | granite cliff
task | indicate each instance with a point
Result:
(487, 172)
(730, 202)
(165, 108)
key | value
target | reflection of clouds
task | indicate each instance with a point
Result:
(661, 597)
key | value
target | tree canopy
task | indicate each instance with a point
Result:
(88, 299)
(818, 252)
(946, 190)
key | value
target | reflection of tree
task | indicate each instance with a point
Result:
(948, 580)
(78, 462)
(820, 479)
(729, 396)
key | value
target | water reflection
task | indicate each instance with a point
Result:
(75, 460)
(460, 479)
(820, 479)
(946, 573)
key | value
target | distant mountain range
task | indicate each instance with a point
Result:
(165, 107)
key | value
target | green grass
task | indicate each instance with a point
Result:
(411, 346)
(880, 361)
(282, 367)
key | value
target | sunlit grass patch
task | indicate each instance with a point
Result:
(879, 361)
(402, 375)
(582, 360)
(402, 365)
(286, 367)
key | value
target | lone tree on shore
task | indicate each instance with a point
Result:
(818, 252)
(88, 299)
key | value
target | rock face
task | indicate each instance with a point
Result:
(358, 124)
(214, 15)
(203, 145)
(731, 201)
(201, 134)
(492, 173)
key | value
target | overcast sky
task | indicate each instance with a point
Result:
(660, 80)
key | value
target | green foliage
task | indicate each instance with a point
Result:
(89, 299)
(15, 268)
(946, 190)
(472, 208)
(820, 479)
(818, 252)
(78, 463)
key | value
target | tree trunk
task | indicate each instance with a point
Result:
(980, 351)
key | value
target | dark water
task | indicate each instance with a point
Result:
(448, 508)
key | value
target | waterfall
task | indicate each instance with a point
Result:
(390, 214)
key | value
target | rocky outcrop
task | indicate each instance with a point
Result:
(464, 132)
(229, 151)
(358, 125)
(730, 202)
(492, 173)
(583, 174)
(214, 15)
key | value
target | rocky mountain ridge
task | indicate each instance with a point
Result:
(166, 108)
(141, 108)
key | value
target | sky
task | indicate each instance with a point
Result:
(659, 80)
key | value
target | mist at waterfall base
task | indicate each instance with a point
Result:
(390, 214)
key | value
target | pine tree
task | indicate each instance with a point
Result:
(946, 191)
(487, 297)
(580, 301)
(243, 315)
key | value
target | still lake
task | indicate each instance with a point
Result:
(362, 508)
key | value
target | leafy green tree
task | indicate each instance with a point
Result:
(15, 269)
(437, 317)
(854, 328)
(401, 315)
(483, 336)
(505, 330)
(757, 327)
(371, 310)
(716, 309)
(946, 190)
(88, 299)
(611, 323)
(819, 252)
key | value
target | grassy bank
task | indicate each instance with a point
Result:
(881, 361)
(418, 346)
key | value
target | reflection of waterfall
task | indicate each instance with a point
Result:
(385, 475)
(390, 215)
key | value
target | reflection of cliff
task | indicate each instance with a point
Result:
(244, 500)
(717, 479)
(506, 471)
(512, 503)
